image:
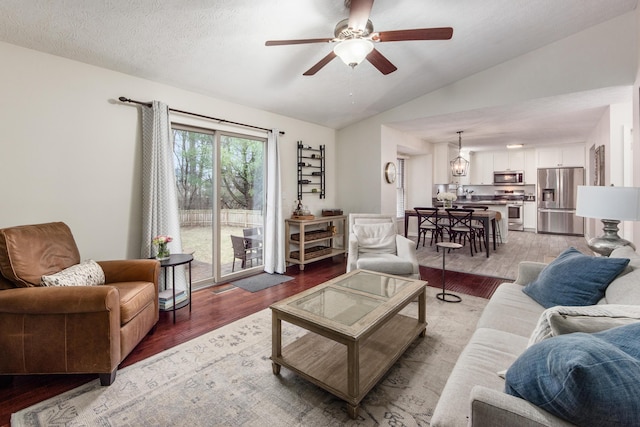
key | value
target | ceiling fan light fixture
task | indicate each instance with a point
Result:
(353, 51)
(459, 165)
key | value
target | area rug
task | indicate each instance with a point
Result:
(261, 281)
(462, 283)
(224, 378)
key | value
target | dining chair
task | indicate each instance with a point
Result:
(477, 224)
(461, 228)
(428, 223)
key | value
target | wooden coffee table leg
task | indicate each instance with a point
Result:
(276, 368)
(352, 410)
(422, 309)
(276, 341)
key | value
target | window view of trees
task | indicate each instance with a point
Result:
(241, 173)
(194, 169)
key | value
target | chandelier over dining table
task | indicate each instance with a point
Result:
(459, 165)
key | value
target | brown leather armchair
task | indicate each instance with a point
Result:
(69, 329)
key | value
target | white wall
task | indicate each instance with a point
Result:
(602, 56)
(71, 153)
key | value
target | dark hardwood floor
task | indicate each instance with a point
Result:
(210, 310)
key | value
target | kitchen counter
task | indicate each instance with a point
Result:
(463, 201)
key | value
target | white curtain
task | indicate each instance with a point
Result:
(159, 196)
(274, 257)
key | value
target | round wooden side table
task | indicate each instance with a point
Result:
(445, 296)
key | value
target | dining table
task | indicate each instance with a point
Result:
(486, 217)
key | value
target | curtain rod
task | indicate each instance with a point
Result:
(148, 104)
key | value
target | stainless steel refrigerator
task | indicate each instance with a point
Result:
(557, 195)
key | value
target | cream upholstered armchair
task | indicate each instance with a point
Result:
(374, 244)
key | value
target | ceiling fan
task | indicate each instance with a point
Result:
(355, 38)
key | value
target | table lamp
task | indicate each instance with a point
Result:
(611, 205)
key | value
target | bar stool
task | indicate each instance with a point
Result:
(498, 233)
(443, 295)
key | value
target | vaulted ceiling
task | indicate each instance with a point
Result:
(217, 48)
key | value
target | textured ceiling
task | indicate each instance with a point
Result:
(217, 47)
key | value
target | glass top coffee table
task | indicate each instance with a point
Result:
(357, 333)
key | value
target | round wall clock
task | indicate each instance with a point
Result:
(390, 172)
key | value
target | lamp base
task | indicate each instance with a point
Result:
(605, 244)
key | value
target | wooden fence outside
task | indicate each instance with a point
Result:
(231, 217)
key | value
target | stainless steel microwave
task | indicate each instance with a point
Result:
(508, 178)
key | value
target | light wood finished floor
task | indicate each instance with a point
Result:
(522, 246)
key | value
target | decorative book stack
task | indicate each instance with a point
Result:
(166, 298)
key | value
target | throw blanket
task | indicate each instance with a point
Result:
(561, 320)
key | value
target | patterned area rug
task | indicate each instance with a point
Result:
(224, 378)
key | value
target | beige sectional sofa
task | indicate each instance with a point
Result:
(474, 393)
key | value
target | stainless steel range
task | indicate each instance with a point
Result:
(514, 200)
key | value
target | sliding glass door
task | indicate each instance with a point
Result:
(220, 179)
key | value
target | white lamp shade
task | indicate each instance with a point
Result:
(353, 51)
(616, 203)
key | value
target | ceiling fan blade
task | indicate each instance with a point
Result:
(299, 41)
(380, 62)
(359, 14)
(324, 61)
(444, 33)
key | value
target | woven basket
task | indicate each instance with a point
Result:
(312, 235)
(312, 252)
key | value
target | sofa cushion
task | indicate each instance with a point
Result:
(510, 310)
(560, 320)
(384, 263)
(574, 279)
(29, 252)
(87, 273)
(566, 375)
(488, 350)
(379, 238)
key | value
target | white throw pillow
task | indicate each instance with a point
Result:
(562, 320)
(379, 238)
(87, 273)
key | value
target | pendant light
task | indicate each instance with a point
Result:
(459, 166)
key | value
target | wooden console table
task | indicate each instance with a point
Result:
(309, 240)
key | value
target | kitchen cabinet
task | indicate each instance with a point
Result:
(508, 160)
(482, 168)
(501, 161)
(530, 169)
(561, 156)
(530, 216)
(441, 167)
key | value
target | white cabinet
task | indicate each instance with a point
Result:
(530, 169)
(482, 168)
(568, 155)
(508, 160)
(530, 215)
(500, 161)
(516, 160)
(441, 166)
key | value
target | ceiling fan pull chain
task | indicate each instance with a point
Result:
(353, 99)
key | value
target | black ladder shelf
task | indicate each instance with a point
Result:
(311, 170)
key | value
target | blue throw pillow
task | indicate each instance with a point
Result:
(574, 279)
(586, 379)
